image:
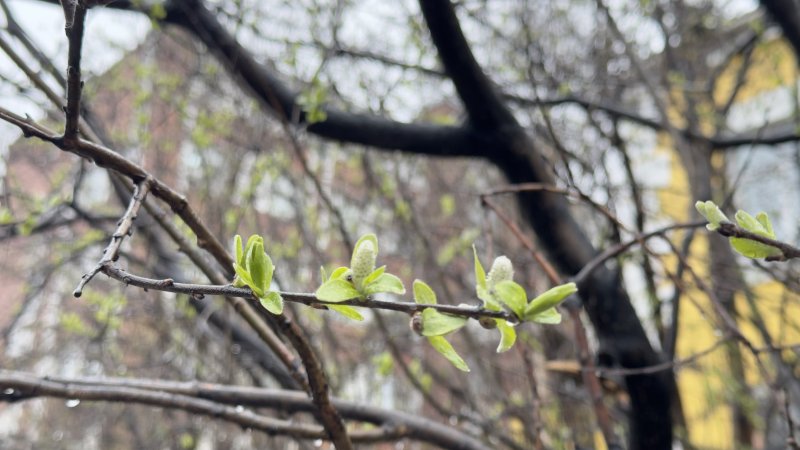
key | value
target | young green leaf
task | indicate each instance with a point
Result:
(480, 274)
(550, 298)
(760, 225)
(272, 302)
(340, 272)
(258, 267)
(337, 290)
(347, 311)
(753, 249)
(549, 317)
(251, 241)
(435, 323)
(749, 223)
(712, 213)
(763, 219)
(237, 246)
(244, 278)
(385, 283)
(507, 335)
(512, 295)
(442, 346)
(374, 275)
(423, 294)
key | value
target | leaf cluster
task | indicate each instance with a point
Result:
(760, 225)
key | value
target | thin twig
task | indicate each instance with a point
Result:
(791, 441)
(618, 249)
(544, 187)
(549, 270)
(109, 159)
(729, 229)
(169, 285)
(124, 228)
(592, 382)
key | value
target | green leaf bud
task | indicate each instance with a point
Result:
(712, 213)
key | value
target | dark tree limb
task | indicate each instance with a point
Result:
(787, 14)
(622, 338)
(267, 88)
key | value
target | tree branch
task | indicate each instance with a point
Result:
(124, 228)
(75, 16)
(24, 386)
(169, 285)
(481, 100)
(729, 229)
(272, 93)
(406, 425)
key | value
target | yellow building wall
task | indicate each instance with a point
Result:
(706, 386)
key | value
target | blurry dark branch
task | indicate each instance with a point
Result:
(613, 252)
(787, 15)
(788, 251)
(791, 441)
(325, 411)
(549, 270)
(485, 107)
(671, 333)
(591, 380)
(386, 60)
(20, 386)
(266, 87)
(537, 424)
(774, 134)
(36, 79)
(745, 52)
(14, 29)
(62, 215)
(300, 152)
(408, 425)
(671, 365)
(569, 192)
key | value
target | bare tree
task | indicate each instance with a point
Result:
(311, 173)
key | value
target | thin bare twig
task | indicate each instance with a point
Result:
(549, 270)
(591, 380)
(618, 249)
(124, 228)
